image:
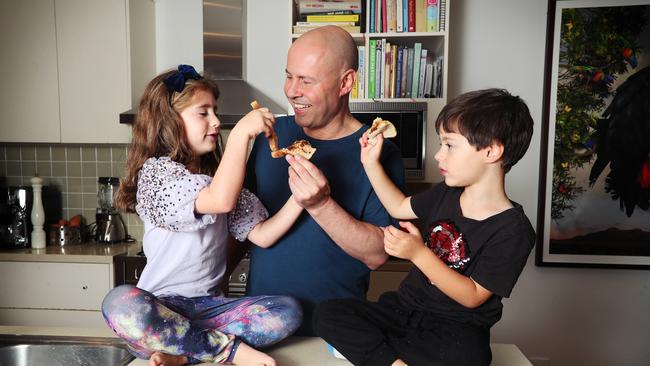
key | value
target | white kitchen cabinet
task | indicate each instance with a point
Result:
(66, 71)
(53, 294)
(94, 80)
(29, 106)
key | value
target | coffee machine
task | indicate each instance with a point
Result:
(110, 226)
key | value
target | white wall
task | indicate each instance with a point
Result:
(573, 316)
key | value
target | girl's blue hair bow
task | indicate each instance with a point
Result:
(176, 81)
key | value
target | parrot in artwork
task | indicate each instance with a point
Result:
(623, 142)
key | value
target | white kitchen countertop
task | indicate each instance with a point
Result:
(77, 253)
(294, 351)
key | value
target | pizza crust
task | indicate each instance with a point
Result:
(381, 126)
(299, 147)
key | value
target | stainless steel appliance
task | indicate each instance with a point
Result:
(110, 226)
(16, 223)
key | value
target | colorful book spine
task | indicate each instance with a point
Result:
(384, 16)
(409, 73)
(378, 16)
(389, 70)
(305, 7)
(405, 15)
(400, 15)
(411, 16)
(442, 15)
(420, 15)
(371, 26)
(382, 73)
(417, 51)
(405, 53)
(394, 71)
(398, 72)
(333, 18)
(379, 56)
(432, 15)
(372, 48)
(423, 70)
(391, 16)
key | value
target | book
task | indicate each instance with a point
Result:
(299, 29)
(378, 16)
(417, 51)
(442, 14)
(391, 16)
(371, 26)
(411, 16)
(394, 70)
(315, 6)
(409, 74)
(428, 78)
(398, 72)
(400, 15)
(378, 59)
(405, 55)
(361, 73)
(333, 18)
(388, 75)
(384, 16)
(405, 15)
(321, 24)
(372, 48)
(420, 15)
(423, 69)
(382, 77)
(432, 15)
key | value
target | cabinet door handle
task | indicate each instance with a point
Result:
(85, 287)
(136, 275)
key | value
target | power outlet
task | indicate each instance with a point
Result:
(540, 361)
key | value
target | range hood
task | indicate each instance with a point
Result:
(234, 102)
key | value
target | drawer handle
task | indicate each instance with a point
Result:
(136, 275)
(85, 287)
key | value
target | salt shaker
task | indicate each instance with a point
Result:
(38, 214)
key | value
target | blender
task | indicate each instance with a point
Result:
(110, 226)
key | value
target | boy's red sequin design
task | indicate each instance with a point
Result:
(447, 242)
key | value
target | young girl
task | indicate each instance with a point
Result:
(176, 314)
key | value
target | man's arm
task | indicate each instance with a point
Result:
(359, 239)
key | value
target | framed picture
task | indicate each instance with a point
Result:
(594, 191)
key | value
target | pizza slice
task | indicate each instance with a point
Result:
(380, 126)
(299, 147)
(273, 138)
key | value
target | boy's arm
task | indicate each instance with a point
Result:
(409, 245)
(267, 232)
(396, 203)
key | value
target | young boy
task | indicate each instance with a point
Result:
(476, 245)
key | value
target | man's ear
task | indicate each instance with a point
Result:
(347, 82)
(494, 152)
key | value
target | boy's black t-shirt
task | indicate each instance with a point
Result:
(492, 252)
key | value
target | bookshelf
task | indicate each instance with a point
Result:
(437, 45)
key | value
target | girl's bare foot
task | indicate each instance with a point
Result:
(163, 359)
(246, 355)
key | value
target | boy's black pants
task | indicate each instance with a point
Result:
(378, 333)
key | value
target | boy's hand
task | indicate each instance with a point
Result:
(403, 244)
(257, 121)
(370, 153)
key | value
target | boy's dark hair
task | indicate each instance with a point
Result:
(485, 116)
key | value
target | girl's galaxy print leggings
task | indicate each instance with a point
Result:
(204, 329)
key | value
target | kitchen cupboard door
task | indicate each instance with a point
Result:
(29, 106)
(94, 73)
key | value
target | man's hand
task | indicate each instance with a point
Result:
(307, 183)
(404, 245)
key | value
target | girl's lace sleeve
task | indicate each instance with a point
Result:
(248, 213)
(166, 195)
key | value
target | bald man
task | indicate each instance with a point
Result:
(332, 247)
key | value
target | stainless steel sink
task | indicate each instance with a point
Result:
(62, 351)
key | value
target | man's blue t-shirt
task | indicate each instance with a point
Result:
(306, 263)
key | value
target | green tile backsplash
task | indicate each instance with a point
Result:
(69, 170)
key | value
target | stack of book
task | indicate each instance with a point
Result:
(317, 13)
(406, 16)
(396, 71)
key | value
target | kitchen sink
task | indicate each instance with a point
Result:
(62, 351)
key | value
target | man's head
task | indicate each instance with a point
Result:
(321, 67)
(490, 116)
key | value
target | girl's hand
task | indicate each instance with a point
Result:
(257, 121)
(401, 244)
(370, 153)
